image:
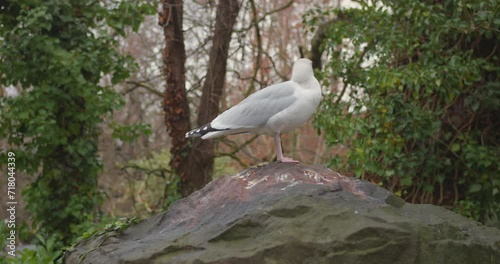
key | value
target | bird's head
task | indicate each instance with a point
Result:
(302, 70)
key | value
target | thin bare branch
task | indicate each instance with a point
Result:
(281, 8)
(142, 85)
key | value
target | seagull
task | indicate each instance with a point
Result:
(272, 110)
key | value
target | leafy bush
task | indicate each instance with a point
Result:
(57, 52)
(46, 251)
(418, 104)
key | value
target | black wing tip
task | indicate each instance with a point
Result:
(201, 131)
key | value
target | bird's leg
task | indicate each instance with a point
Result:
(279, 151)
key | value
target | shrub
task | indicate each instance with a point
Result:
(419, 99)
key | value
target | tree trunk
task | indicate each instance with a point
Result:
(203, 153)
(175, 103)
(193, 163)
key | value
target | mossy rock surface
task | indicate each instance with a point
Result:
(294, 213)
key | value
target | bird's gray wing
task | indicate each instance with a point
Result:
(255, 110)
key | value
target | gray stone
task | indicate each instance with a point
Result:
(295, 213)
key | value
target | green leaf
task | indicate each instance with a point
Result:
(475, 187)
(406, 181)
(389, 173)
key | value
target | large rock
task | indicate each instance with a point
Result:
(294, 213)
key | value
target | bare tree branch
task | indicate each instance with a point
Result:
(142, 85)
(285, 6)
(258, 61)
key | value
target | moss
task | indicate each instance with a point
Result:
(395, 201)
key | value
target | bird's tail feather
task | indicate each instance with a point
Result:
(201, 131)
(207, 131)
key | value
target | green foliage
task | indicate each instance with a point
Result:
(60, 53)
(129, 133)
(111, 229)
(50, 250)
(222, 166)
(159, 183)
(46, 251)
(115, 227)
(4, 234)
(419, 102)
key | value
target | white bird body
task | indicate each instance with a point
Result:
(272, 110)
